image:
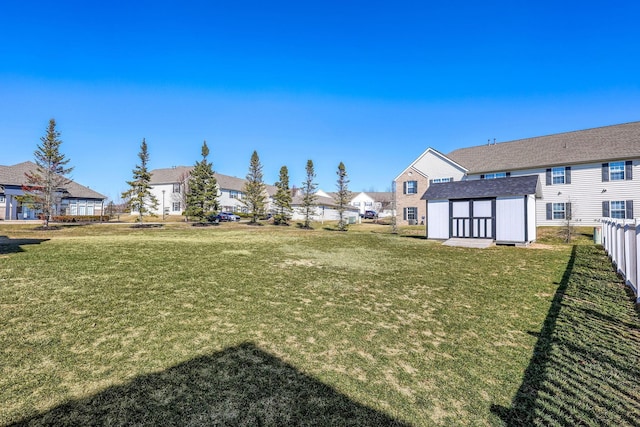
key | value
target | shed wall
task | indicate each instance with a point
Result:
(510, 219)
(438, 219)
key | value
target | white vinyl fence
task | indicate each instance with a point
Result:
(621, 241)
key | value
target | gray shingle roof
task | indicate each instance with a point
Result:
(174, 175)
(500, 187)
(14, 175)
(607, 143)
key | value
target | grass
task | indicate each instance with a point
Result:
(104, 324)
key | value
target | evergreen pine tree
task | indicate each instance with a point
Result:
(343, 195)
(44, 186)
(282, 198)
(254, 189)
(139, 197)
(309, 194)
(202, 196)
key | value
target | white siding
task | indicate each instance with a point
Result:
(585, 193)
(510, 224)
(531, 217)
(438, 219)
(435, 166)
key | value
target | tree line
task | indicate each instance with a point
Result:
(201, 192)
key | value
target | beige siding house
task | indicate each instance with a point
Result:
(431, 166)
(584, 175)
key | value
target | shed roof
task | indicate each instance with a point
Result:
(500, 187)
(606, 143)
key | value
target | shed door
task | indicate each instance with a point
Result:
(473, 218)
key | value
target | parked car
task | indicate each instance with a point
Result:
(369, 215)
(232, 216)
(227, 216)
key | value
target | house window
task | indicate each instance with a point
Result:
(176, 187)
(618, 209)
(494, 175)
(621, 209)
(368, 204)
(356, 203)
(234, 194)
(559, 211)
(616, 171)
(410, 187)
(557, 175)
(437, 180)
(410, 214)
(175, 206)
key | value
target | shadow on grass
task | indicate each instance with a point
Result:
(12, 246)
(584, 369)
(241, 385)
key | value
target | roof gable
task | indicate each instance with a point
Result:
(435, 153)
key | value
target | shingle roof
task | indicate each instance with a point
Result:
(174, 175)
(14, 175)
(380, 196)
(500, 187)
(607, 143)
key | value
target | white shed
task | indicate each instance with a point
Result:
(502, 209)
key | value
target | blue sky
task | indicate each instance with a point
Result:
(369, 83)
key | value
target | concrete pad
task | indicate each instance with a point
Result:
(469, 243)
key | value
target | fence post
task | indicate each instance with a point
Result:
(636, 236)
(630, 255)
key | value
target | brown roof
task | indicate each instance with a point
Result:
(607, 143)
(15, 175)
(173, 175)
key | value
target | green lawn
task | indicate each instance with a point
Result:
(239, 325)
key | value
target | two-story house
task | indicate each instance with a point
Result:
(169, 186)
(585, 175)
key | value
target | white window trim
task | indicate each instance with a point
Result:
(620, 171)
(560, 173)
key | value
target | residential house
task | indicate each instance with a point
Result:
(75, 199)
(381, 202)
(168, 185)
(325, 208)
(585, 175)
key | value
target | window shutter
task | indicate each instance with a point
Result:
(628, 170)
(549, 211)
(404, 214)
(430, 181)
(567, 210)
(628, 206)
(508, 174)
(548, 181)
(605, 173)
(482, 176)
(404, 188)
(567, 175)
(451, 179)
(605, 209)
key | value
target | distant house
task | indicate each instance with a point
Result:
(75, 199)
(584, 175)
(381, 202)
(325, 208)
(168, 185)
